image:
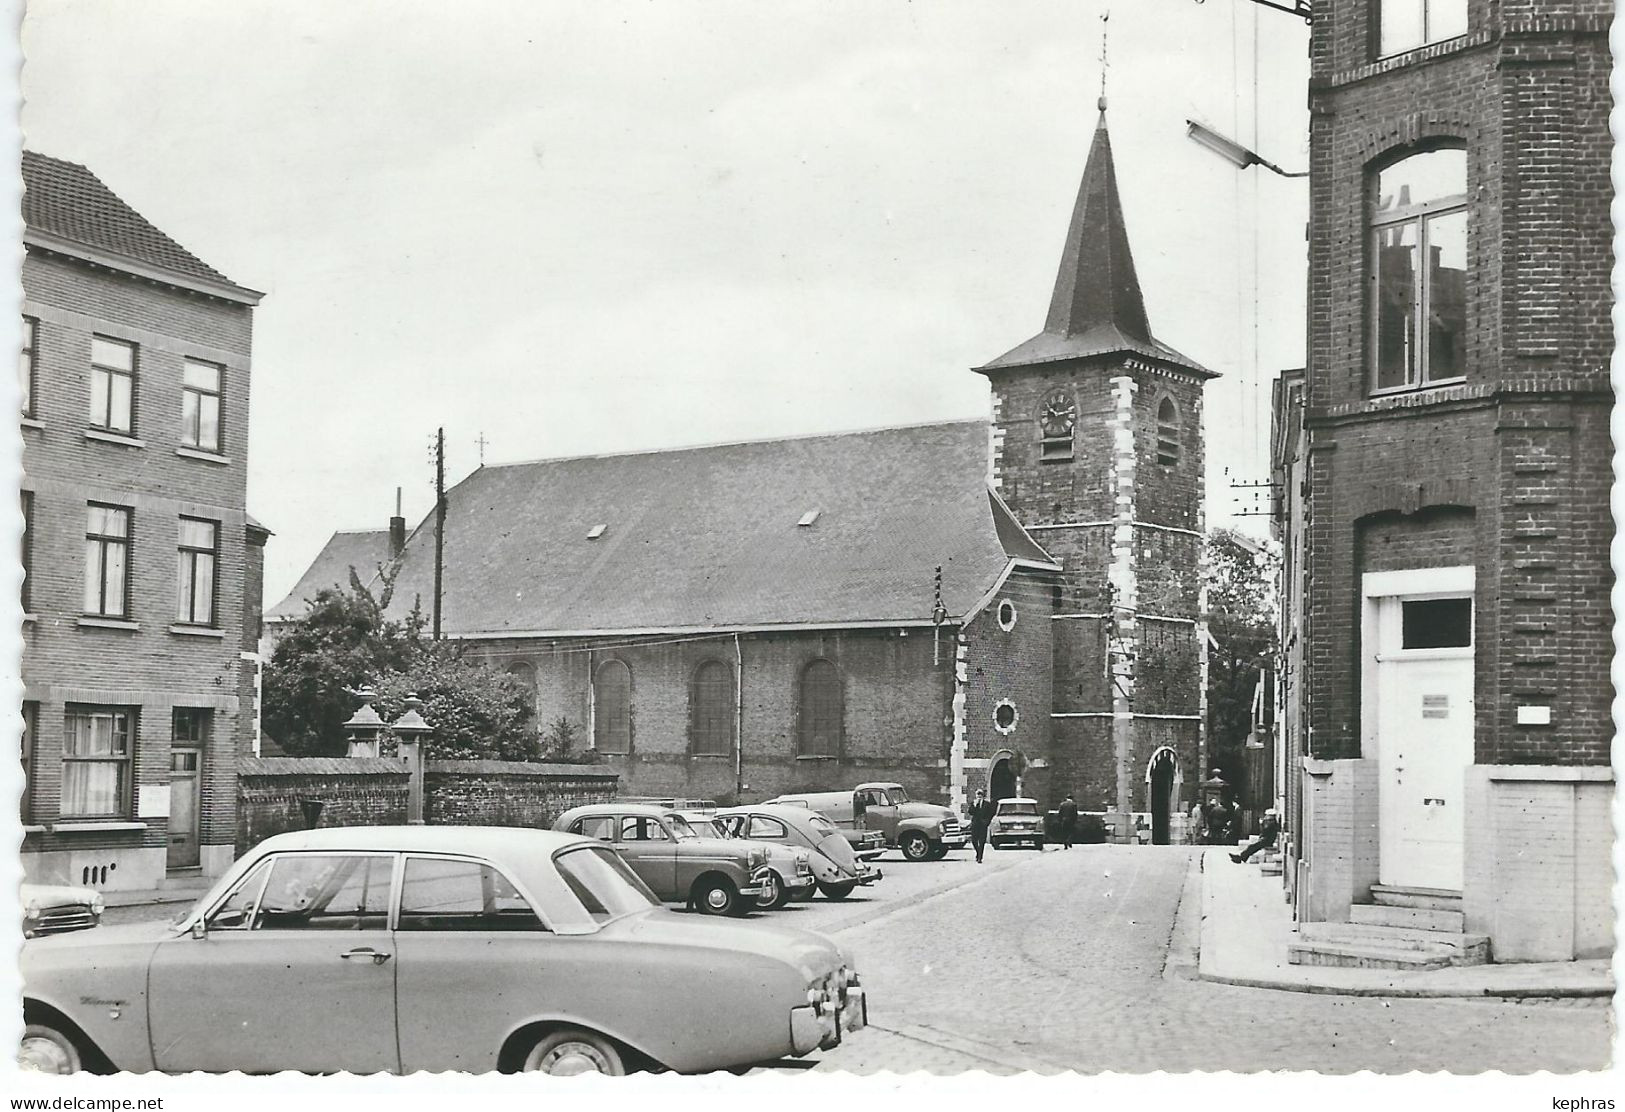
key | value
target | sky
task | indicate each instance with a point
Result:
(580, 228)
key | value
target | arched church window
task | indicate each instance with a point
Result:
(1057, 422)
(1419, 271)
(711, 709)
(1167, 432)
(525, 676)
(612, 707)
(819, 710)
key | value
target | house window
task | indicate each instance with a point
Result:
(612, 707)
(1419, 271)
(196, 561)
(191, 729)
(107, 561)
(25, 366)
(30, 731)
(200, 406)
(1167, 433)
(1407, 24)
(1005, 716)
(711, 709)
(27, 547)
(112, 385)
(819, 706)
(97, 745)
(1436, 623)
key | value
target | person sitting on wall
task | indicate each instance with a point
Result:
(1268, 831)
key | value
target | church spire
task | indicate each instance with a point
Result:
(1097, 284)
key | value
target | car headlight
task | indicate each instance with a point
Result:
(97, 905)
(758, 858)
(31, 910)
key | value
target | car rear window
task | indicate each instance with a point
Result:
(1018, 808)
(602, 883)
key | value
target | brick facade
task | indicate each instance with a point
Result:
(1506, 469)
(146, 661)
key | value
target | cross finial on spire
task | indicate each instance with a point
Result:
(1105, 28)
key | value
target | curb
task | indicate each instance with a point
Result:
(1184, 961)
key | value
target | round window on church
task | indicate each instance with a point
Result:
(1007, 615)
(1005, 716)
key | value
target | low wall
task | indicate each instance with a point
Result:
(510, 793)
(374, 791)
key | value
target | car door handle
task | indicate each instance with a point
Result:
(378, 958)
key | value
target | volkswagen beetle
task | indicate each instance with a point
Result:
(396, 949)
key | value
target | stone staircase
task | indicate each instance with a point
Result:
(1401, 928)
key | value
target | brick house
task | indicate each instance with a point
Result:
(750, 619)
(1451, 699)
(142, 568)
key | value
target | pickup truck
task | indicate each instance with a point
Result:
(923, 831)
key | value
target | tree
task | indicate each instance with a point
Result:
(1239, 574)
(345, 642)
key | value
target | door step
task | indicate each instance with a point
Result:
(1420, 918)
(1437, 899)
(1364, 957)
(1461, 949)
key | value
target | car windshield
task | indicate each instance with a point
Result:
(602, 882)
(680, 828)
(706, 828)
(898, 795)
(1018, 808)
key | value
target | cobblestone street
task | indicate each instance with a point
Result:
(1055, 961)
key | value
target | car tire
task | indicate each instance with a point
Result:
(570, 1051)
(938, 853)
(775, 896)
(717, 896)
(915, 846)
(837, 891)
(46, 1049)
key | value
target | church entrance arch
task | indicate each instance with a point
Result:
(1001, 778)
(1161, 774)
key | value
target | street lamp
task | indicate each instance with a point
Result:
(364, 726)
(1231, 151)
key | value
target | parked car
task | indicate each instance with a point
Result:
(397, 949)
(790, 873)
(1017, 821)
(57, 908)
(837, 869)
(714, 875)
(923, 831)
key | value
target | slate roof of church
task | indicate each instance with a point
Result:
(361, 549)
(66, 200)
(1097, 307)
(708, 537)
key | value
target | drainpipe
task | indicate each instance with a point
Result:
(739, 721)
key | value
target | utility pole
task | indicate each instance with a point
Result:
(439, 521)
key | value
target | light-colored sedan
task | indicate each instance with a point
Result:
(834, 863)
(790, 869)
(58, 908)
(1017, 821)
(396, 949)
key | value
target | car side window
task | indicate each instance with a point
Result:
(446, 895)
(601, 827)
(635, 828)
(761, 827)
(237, 913)
(730, 824)
(327, 892)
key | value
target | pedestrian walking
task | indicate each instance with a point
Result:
(1268, 831)
(1066, 820)
(981, 817)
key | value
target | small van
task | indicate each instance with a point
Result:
(923, 831)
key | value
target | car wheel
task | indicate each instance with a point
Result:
(837, 891)
(915, 846)
(938, 853)
(46, 1050)
(717, 896)
(574, 1051)
(772, 895)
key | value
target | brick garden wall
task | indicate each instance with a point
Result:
(510, 793)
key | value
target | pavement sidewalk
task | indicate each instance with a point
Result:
(172, 892)
(1246, 927)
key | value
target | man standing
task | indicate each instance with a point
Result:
(981, 817)
(1066, 818)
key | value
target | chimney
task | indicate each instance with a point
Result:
(397, 529)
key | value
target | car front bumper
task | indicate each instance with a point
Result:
(811, 1030)
(955, 841)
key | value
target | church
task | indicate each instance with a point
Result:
(1011, 605)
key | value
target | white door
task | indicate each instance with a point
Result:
(1423, 712)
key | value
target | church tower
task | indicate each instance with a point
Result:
(1097, 448)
